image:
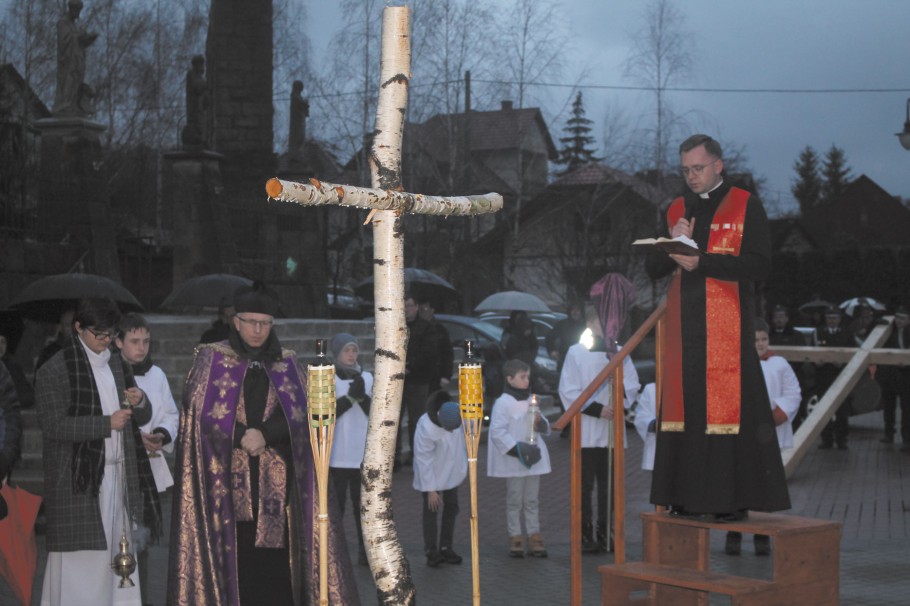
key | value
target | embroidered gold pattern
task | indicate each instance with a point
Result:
(219, 410)
(288, 387)
(298, 414)
(215, 466)
(224, 384)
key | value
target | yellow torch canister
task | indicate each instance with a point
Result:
(470, 401)
(321, 405)
(470, 391)
(321, 401)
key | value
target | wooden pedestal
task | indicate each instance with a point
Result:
(676, 567)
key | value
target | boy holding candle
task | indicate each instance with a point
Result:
(517, 453)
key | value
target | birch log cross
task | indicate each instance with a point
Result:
(387, 561)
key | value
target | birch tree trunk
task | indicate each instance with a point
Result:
(388, 564)
(318, 193)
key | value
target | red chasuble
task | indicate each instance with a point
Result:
(723, 321)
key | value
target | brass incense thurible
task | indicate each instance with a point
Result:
(124, 563)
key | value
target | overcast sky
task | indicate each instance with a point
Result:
(771, 44)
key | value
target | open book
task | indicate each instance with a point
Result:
(680, 245)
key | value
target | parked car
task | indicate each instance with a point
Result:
(343, 303)
(486, 337)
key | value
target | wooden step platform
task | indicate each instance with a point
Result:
(676, 567)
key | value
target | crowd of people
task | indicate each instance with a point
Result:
(243, 520)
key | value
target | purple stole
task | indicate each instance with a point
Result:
(216, 434)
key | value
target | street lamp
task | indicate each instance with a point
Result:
(905, 136)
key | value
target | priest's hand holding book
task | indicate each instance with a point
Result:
(680, 246)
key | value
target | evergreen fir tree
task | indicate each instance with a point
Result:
(808, 185)
(575, 152)
(836, 173)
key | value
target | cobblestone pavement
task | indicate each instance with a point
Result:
(866, 488)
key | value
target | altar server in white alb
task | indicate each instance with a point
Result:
(158, 435)
(646, 424)
(583, 363)
(440, 466)
(354, 391)
(134, 341)
(518, 453)
(785, 396)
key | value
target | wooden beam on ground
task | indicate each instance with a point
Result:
(812, 427)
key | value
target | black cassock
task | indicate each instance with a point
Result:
(720, 473)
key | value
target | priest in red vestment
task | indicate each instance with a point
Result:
(717, 453)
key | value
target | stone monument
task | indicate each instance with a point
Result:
(73, 96)
(198, 101)
(299, 111)
(73, 194)
(193, 188)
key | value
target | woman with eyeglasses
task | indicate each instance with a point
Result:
(97, 476)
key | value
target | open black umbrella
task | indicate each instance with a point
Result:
(209, 290)
(418, 282)
(46, 298)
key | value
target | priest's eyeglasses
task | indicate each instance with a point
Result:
(261, 324)
(697, 169)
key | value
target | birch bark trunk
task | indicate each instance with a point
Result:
(316, 193)
(388, 564)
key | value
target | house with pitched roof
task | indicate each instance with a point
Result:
(507, 151)
(578, 228)
(864, 215)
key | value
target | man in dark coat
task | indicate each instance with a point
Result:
(895, 382)
(717, 454)
(445, 355)
(421, 371)
(833, 334)
(10, 429)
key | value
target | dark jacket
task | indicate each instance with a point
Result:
(10, 423)
(422, 363)
(895, 378)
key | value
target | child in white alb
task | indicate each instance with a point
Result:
(646, 424)
(353, 390)
(785, 396)
(583, 363)
(516, 452)
(440, 466)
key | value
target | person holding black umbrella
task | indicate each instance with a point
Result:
(62, 334)
(221, 327)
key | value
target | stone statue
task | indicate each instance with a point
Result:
(73, 96)
(197, 105)
(300, 109)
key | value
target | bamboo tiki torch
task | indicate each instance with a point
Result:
(470, 400)
(321, 404)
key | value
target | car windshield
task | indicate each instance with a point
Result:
(488, 329)
(466, 328)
